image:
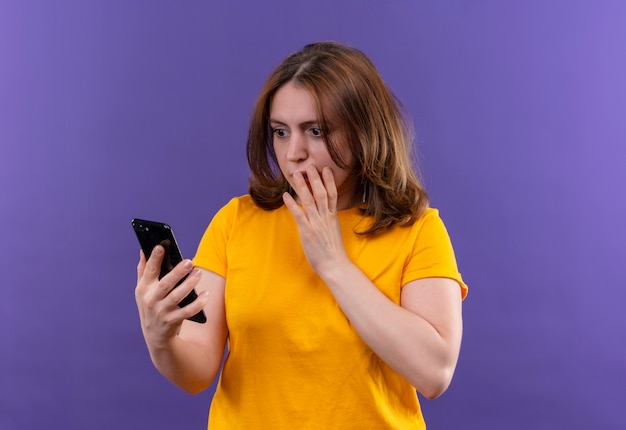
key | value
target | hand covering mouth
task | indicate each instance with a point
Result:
(305, 176)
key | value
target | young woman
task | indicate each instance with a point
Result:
(333, 282)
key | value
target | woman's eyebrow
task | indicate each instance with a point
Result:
(302, 124)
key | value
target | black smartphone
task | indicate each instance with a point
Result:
(151, 234)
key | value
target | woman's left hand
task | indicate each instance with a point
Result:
(317, 219)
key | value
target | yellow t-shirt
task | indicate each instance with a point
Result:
(294, 361)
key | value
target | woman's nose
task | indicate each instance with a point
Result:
(297, 150)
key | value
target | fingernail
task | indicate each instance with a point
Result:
(196, 273)
(158, 250)
(188, 264)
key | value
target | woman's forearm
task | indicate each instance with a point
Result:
(423, 353)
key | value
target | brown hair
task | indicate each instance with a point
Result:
(350, 95)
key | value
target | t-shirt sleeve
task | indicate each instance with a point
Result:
(212, 250)
(433, 255)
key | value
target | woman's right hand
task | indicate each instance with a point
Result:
(160, 316)
(185, 352)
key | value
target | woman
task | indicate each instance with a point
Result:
(333, 282)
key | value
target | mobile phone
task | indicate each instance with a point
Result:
(151, 234)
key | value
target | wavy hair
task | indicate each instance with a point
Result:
(350, 96)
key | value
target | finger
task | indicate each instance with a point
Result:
(289, 201)
(331, 189)
(178, 315)
(141, 266)
(168, 281)
(318, 189)
(197, 305)
(153, 265)
(302, 189)
(293, 207)
(181, 291)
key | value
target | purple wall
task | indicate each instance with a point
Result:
(111, 110)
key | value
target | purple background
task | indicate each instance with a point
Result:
(111, 110)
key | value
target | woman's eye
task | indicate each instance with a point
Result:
(316, 132)
(279, 132)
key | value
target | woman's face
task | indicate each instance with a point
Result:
(298, 141)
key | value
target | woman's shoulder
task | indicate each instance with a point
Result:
(238, 203)
(428, 223)
(429, 220)
(429, 214)
(243, 207)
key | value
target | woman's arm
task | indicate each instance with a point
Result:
(420, 338)
(186, 353)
